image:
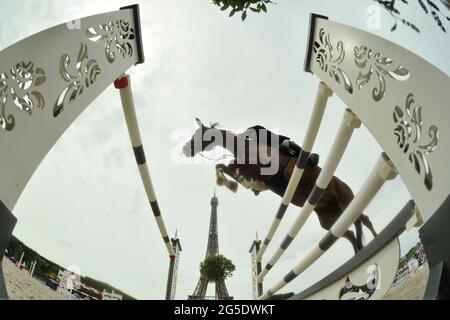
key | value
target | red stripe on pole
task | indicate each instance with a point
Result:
(121, 83)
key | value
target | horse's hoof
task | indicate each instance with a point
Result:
(220, 181)
(233, 186)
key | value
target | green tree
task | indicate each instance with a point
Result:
(242, 6)
(217, 268)
(433, 8)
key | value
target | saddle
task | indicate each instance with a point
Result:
(287, 146)
(291, 150)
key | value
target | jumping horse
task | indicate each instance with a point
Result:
(252, 157)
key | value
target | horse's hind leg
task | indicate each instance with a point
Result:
(328, 216)
(359, 234)
(366, 222)
(344, 196)
(350, 236)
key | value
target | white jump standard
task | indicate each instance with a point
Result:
(404, 102)
(382, 172)
(46, 81)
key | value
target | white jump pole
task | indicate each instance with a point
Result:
(349, 123)
(323, 93)
(383, 171)
(33, 267)
(126, 95)
(21, 258)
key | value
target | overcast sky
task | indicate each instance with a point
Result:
(86, 206)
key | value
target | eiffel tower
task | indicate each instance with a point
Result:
(212, 250)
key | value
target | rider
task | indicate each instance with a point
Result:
(285, 143)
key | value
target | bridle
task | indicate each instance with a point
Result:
(223, 157)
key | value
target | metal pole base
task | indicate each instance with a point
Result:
(7, 223)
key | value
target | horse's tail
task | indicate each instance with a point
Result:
(359, 234)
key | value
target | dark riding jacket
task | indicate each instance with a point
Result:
(293, 149)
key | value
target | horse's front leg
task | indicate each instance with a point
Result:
(221, 169)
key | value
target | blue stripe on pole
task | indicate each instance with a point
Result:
(289, 277)
(281, 211)
(155, 208)
(302, 159)
(327, 241)
(286, 242)
(315, 195)
(139, 155)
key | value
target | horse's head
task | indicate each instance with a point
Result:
(198, 143)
